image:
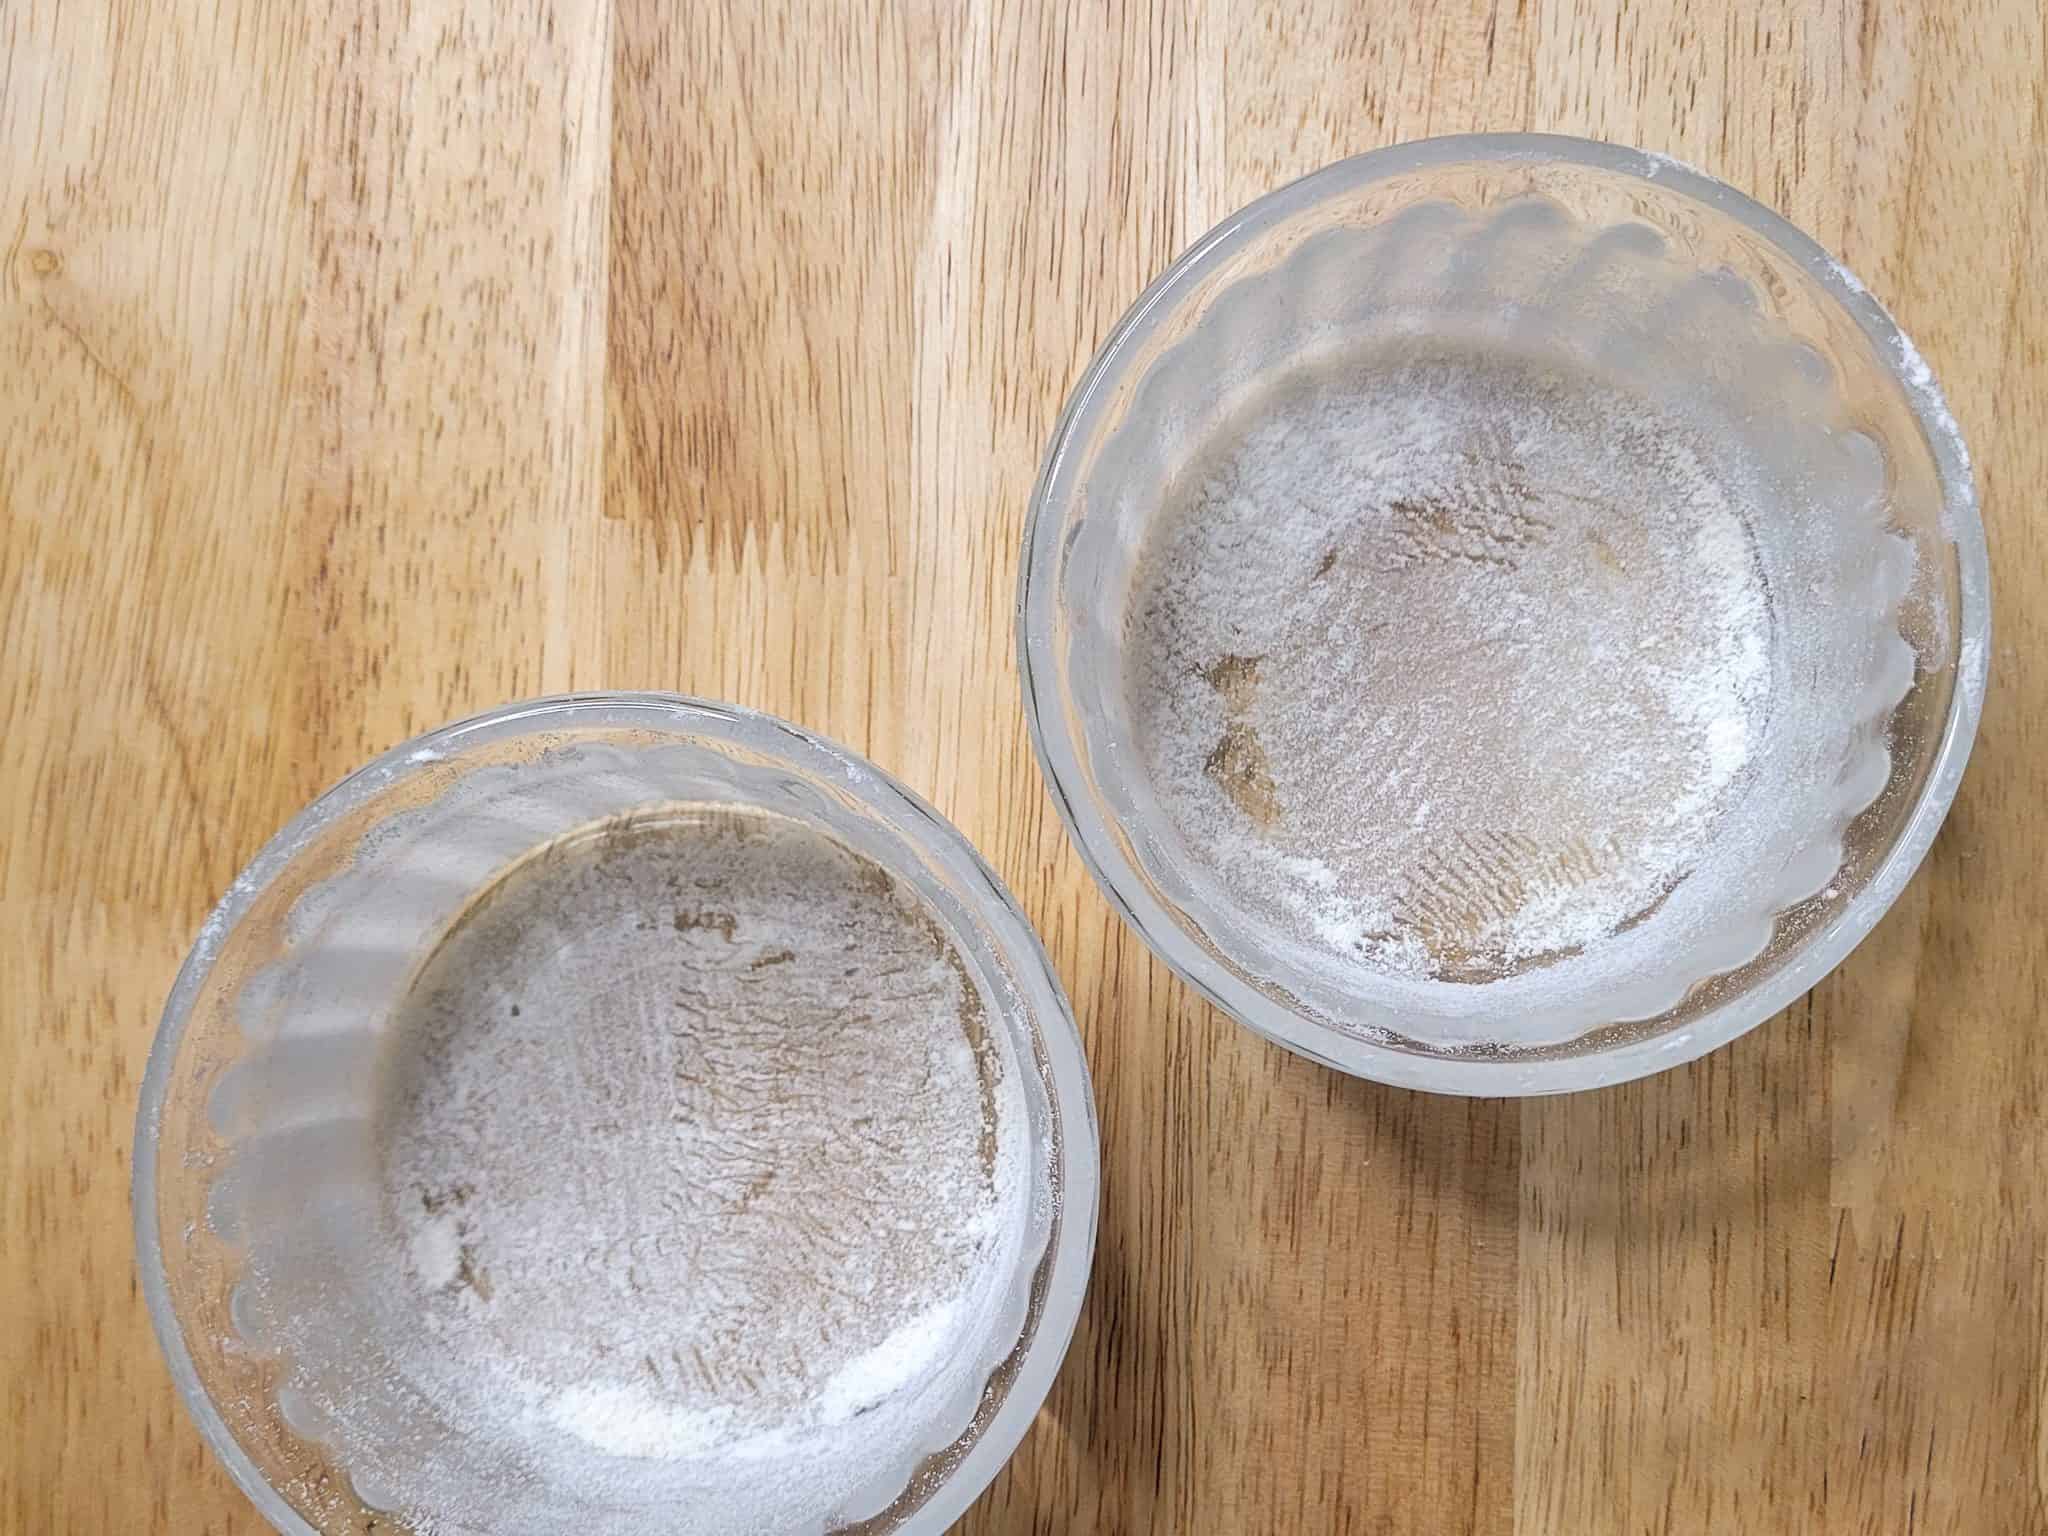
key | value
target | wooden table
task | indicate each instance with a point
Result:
(364, 365)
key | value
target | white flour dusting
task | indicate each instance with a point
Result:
(699, 1160)
(1447, 663)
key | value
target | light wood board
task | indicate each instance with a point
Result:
(365, 365)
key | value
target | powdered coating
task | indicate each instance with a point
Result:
(1447, 663)
(693, 1156)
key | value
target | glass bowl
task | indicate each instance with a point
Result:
(1564, 259)
(256, 1154)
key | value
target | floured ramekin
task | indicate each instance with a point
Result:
(1683, 293)
(256, 1160)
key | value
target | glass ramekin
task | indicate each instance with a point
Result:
(1602, 254)
(338, 908)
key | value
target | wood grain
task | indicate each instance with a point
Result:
(368, 365)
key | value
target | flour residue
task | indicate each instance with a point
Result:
(700, 1171)
(1448, 664)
